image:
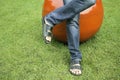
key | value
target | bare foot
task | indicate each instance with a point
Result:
(48, 38)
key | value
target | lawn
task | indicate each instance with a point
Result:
(25, 56)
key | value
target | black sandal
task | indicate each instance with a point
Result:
(74, 65)
(47, 32)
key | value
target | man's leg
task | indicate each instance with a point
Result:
(73, 42)
(68, 11)
(73, 37)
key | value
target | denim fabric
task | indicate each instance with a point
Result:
(70, 12)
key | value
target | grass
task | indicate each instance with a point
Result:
(24, 55)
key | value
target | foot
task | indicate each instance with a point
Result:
(75, 68)
(47, 31)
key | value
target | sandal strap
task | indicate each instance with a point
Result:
(49, 33)
(75, 64)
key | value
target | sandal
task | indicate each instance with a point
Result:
(75, 68)
(47, 32)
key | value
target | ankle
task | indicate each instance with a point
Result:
(75, 61)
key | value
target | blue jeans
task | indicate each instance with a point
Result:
(70, 12)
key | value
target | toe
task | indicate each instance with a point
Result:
(75, 71)
(72, 71)
(78, 72)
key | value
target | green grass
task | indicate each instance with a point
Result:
(24, 55)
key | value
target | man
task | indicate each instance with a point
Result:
(69, 12)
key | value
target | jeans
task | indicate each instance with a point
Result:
(70, 12)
